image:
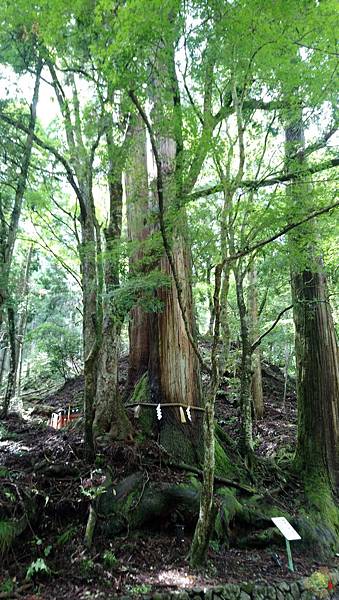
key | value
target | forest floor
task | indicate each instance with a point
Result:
(52, 466)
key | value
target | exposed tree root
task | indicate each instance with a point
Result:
(217, 479)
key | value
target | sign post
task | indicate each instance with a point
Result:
(289, 534)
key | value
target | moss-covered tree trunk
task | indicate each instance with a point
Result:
(317, 376)
(202, 534)
(317, 455)
(12, 362)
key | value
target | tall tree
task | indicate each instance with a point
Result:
(317, 456)
(10, 217)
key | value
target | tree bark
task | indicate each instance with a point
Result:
(246, 439)
(3, 362)
(202, 533)
(91, 327)
(210, 302)
(136, 186)
(110, 415)
(173, 367)
(224, 319)
(317, 455)
(174, 371)
(81, 161)
(12, 362)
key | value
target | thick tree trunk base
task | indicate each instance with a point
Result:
(176, 438)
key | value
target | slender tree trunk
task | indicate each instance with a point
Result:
(210, 303)
(224, 319)
(81, 160)
(21, 330)
(110, 414)
(256, 382)
(12, 363)
(287, 361)
(9, 232)
(202, 533)
(3, 362)
(246, 439)
(317, 455)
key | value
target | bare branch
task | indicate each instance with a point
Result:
(260, 338)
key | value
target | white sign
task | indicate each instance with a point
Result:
(286, 528)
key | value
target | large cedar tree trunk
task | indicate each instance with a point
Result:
(173, 368)
(91, 327)
(136, 187)
(317, 455)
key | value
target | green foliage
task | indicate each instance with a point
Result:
(215, 546)
(66, 536)
(86, 566)
(7, 587)
(5, 434)
(54, 335)
(110, 559)
(317, 581)
(60, 345)
(142, 588)
(140, 291)
(93, 492)
(4, 472)
(37, 567)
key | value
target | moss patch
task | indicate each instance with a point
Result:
(223, 465)
(230, 506)
(8, 532)
(146, 419)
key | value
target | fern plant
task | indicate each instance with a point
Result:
(7, 534)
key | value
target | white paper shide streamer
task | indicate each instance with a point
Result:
(159, 413)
